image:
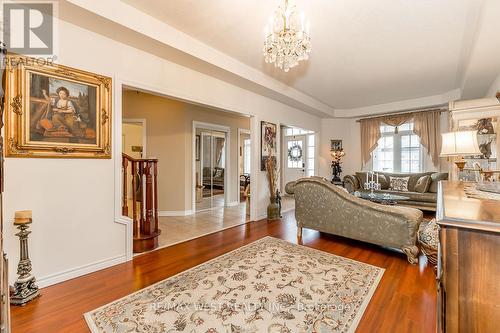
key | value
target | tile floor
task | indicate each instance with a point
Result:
(177, 229)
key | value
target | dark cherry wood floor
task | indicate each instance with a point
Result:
(405, 300)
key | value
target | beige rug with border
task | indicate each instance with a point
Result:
(269, 285)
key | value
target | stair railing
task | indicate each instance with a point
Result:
(142, 198)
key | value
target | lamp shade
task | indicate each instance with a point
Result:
(460, 143)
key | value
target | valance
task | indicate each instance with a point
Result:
(397, 120)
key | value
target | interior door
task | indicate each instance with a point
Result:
(204, 198)
(218, 168)
(210, 189)
(295, 157)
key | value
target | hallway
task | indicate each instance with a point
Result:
(177, 229)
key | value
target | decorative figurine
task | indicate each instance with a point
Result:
(25, 288)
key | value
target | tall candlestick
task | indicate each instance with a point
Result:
(25, 288)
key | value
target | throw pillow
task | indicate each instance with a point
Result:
(428, 237)
(219, 173)
(399, 183)
(384, 183)
(361, 178)
(423, 184)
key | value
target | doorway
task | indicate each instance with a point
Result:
(244, 163)
(211, 154)
(134, 137)
(298, 158)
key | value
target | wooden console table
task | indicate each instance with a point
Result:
(468, 272)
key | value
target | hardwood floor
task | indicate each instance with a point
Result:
(405, 300)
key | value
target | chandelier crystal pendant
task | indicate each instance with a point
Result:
(287, 38)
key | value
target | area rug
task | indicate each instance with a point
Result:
(267, 286)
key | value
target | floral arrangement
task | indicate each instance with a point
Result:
(272, 175)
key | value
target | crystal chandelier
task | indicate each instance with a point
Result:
(287, 39)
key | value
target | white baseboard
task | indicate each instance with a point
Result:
(175, 212)
(232, 204)
(261, 217)
(79, 271)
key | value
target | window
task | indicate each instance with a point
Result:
(291, 131)
(398, 152)
(295, 147)
(246, 156)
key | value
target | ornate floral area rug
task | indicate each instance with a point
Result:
(267, 286)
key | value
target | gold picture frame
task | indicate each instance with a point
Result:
(56, 111)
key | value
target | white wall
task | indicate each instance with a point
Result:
(73, 200)
(348, 131)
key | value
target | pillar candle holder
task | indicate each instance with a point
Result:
(25, 288)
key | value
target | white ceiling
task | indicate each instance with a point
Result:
(365, 52)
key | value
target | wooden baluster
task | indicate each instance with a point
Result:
(145, 206)
(141, 181)
(155, 203)
(124, 197)
(134, 199)
(148, 229)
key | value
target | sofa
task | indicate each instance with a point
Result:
(325, 207)
(215, 177)
(422, 187)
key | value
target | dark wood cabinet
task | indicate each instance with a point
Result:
(468, 274)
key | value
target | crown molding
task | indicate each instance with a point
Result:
(422, 102)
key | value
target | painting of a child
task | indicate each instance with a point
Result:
(62, 111)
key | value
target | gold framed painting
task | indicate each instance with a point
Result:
(56, 111)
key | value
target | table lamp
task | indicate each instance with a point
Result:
(460, 144)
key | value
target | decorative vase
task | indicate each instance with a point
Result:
(273, 210)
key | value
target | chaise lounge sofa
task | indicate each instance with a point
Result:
(322, 206)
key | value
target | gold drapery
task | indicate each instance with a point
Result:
(427, 125)
(370, 134)
(397, 120)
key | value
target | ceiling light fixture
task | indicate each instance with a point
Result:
(287, 39)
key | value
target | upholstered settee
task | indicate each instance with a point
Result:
(322, 206)
(215, 177)
(422, 187)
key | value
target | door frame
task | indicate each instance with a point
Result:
(286, 139)
(249, 132)
(141, 121)
(227, 167)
